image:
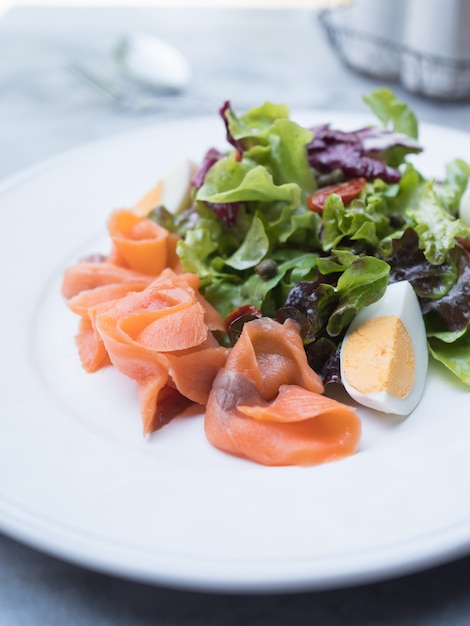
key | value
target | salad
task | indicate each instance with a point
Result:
(293, 252)
(314, 223)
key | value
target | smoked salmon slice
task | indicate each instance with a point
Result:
(159, 404)
(88, 285)
(267, 404)
(91, 350)
(84, 276)
(272, 354)
(160, 337)
(184, 380)
(194, 372)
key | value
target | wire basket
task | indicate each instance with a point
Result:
(429, 75)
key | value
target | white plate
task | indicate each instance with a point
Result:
(78, 480)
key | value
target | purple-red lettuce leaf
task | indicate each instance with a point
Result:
(362, 153)
(210, 158)
(407, 262)
(453, 309)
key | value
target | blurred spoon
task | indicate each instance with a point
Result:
(153, 63)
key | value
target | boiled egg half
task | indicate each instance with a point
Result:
(384, 355)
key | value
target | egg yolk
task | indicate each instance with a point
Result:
(379, 356)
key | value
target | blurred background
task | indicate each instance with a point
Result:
(63, 83)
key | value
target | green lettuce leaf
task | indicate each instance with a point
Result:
(359, 221)
(253, 249)
(198, 245)
(363, 282)
(254, 126)
(277, 143)
(436, 228)
(230, 291)
(386, 106)
(453, 351)
(450, 192)
(230, 180)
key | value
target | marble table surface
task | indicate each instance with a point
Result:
(246, 56)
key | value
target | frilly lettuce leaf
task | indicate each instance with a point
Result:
(230, 180)
(359, 221)
(453, 351)
(230, 291)
(407, 262)
(197, 247)
(436, 228)
(453, 308)
(254, 126)
(362, 282)
(266, 136)
(346, 283)
(386, 106)
(450, 192)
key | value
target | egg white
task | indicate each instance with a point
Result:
(173, 191)
(176, 186)
(401, 301)
(464, 210)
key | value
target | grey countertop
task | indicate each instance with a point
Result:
(246, 56)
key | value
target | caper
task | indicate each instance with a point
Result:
(266, 269)
(330, 178)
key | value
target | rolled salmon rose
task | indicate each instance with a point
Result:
(141, 244)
